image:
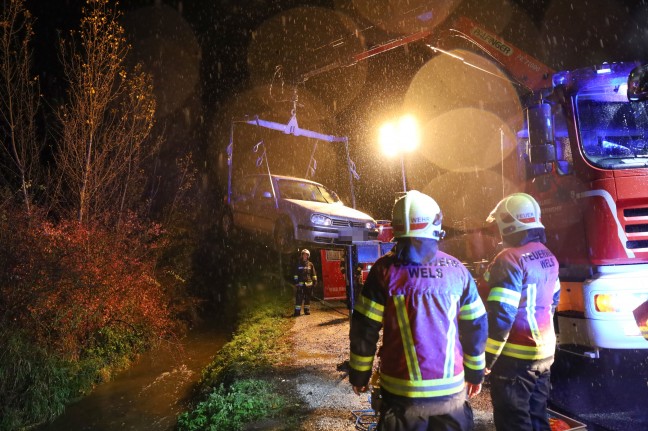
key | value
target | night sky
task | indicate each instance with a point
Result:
(217, 60)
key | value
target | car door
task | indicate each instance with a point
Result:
(265, 211)
(243, 203)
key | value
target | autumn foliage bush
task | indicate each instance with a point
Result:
(66, 283)
(74, 300)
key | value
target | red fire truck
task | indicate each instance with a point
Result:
(584, 150)
(583, 153)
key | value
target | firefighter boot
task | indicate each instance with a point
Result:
(297, 312)
(306, 311)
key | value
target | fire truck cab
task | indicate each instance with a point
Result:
(586, 153)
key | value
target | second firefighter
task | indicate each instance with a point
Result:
(305, 278)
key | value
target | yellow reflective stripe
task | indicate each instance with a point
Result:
(361, 363)
(448, 365)
(494, 346)
(475, 362)
(506, 296)
(532, 296)
(423, 388)
(472, 311)
(295, 277)
(407, 338)
(528, 352)
(370, 309)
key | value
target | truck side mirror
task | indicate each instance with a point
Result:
(638, 84)
(541, 134)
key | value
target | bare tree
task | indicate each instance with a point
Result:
(19, 103)
(107, 122)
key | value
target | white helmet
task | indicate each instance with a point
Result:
(305, 251)
(417, 215)
(516, 213)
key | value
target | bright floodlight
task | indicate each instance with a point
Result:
(388, 139)
(399, 137)
(409, 133)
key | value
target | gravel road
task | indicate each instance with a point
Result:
(321, 349)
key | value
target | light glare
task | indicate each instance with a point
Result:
(399, 137)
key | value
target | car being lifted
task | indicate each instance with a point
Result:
(291, 211)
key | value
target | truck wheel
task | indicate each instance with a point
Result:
(284, 238)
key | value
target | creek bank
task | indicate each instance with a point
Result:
(150, 394)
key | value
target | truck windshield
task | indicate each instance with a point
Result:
(614, 132)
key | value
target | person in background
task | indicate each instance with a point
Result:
(433, 327)
(523, 292)
(305, 279)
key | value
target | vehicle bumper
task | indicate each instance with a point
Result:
(611, 330)
(324, 235)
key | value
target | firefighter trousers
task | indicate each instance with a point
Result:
(303, 294)
(402, 414)
(519, 392)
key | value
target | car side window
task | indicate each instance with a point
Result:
(264, 190)
(245, 188)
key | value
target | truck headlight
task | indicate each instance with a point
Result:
(321, 220)
(617, 302)
(370, 225)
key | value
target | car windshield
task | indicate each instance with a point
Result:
(291, 189)
(613, 132)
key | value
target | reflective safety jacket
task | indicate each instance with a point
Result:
(434, 327)
(305, 274)
(523, 294)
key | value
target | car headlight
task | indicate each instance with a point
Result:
(370, 225)
(321, 220)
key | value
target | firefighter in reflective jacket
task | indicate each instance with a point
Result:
(523, 292)
(305, 279)
(434, 327)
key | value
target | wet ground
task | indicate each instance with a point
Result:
(607, 394)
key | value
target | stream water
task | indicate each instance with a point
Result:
(150, 394)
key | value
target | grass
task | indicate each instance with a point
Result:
(237, 386)
(36, 385)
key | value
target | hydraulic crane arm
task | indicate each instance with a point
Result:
(525, 69)
(375, 50)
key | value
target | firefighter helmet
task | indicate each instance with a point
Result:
(305, 251)
(515, 213)
(416, 214)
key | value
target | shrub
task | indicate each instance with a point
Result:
(230, 409)
(76, 303)
(66, 283)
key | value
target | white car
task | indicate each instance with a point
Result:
(291, 211)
